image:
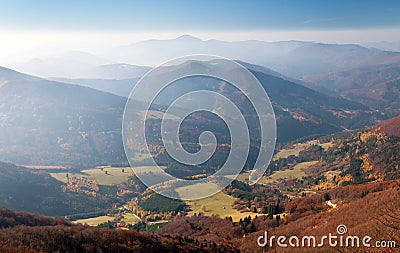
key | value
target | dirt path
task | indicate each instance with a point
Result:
(331, 204)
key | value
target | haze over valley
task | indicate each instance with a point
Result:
(91, 95)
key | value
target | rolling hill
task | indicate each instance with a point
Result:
(375, 86)
(390, 127)
(50, 123)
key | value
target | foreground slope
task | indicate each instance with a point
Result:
(390, 127)
(366, 210)
(24, 232)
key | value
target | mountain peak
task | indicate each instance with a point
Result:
(188, 37)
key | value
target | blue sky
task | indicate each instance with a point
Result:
(44, 28)
(173, 15)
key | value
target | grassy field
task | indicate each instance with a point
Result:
(296, 172)
(140, 156)
(130, 218)
(152, 114)
(286, 152)
(243, 177)
(144, 169)
(95, 221)
(195, 191)
(45, 167)
(326, 145)
(219, 204)
(114, 174)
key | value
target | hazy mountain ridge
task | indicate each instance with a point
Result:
(58, 124)
(65, 124)
(77, 64)
(393, 46)
(375, 86)
(122, 87)
(291, 58)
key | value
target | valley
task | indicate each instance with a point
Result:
(297, 170)
(62, 152)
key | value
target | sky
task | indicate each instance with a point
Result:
(206, 15)
(43, 27)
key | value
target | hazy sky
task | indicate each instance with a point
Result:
(39, 28)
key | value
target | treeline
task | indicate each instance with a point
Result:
(78, 238)
(9, 218)
(159, 204)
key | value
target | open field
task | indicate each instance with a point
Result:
(153, 114)
(140, 156)
(144, 169)
(219, 204)
(45, 167)
(244, 177)
(326, 145)
(286, 152)
(114, 174)
(296, 172)
(95, 221)
(194, 191)
(130, 218)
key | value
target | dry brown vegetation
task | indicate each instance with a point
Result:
(369, 209)
(23, 232)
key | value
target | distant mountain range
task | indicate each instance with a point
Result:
(362, 74)
(291, 58)
(384, 45)
(78, 64)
